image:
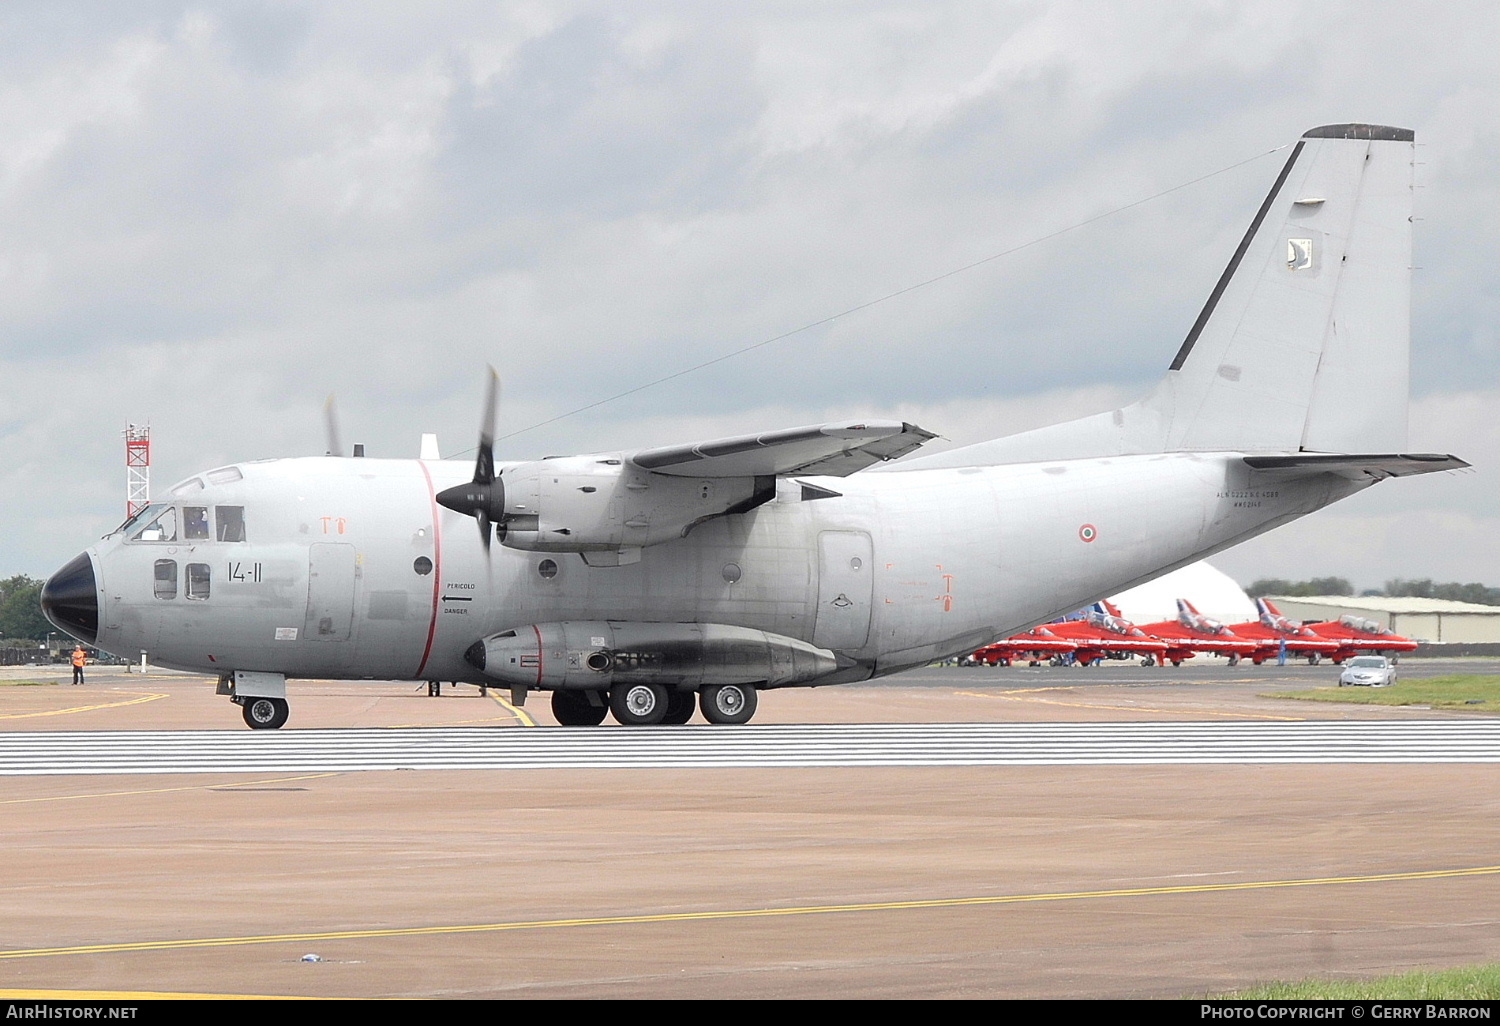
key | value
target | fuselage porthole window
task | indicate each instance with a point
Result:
(161, 528)
(197, 581)
(231, 521)
(195, 523)
(164, 585)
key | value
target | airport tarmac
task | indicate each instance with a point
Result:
(955, 881)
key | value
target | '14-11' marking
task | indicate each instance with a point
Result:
(244, 572)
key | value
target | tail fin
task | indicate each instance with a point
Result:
(1271, 616)
(1187, 614)
(1303, 344)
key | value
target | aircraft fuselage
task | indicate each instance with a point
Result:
(348, 568)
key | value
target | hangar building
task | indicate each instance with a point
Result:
(1436, 621)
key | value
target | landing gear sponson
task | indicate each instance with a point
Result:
(646, 673)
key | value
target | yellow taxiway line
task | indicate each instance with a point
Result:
(140, 995)
(744, 913)
(516, 711)
(145, 696)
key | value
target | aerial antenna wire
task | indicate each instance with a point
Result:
(885, 298)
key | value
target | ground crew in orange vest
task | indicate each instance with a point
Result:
(80, 659)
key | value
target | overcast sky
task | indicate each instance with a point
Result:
(213, 215)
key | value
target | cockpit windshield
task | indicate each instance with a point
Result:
(160, 528)
(139, 517)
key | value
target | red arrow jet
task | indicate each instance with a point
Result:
(1354, 635)
(1273, 630)
(1192, 632)
(1100, 633)
(1032, 646)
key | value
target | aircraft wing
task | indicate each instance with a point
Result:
(1378, 466)
(834, 450)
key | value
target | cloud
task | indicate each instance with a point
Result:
(212, 215)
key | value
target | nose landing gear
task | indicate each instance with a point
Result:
(264, 713)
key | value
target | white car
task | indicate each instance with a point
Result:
(1368, 671)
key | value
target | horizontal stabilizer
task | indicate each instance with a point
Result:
(834, 450)
(1377, 466)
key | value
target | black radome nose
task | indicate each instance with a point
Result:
(70, 599)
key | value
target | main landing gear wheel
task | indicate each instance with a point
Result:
(727, 703)
(265, 713)
(680, 705)
(638, 705)
(573, 709)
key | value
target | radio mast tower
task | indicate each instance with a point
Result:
(137, 468)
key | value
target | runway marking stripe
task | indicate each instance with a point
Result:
(757, 913)
(166, 790)
(146, 696)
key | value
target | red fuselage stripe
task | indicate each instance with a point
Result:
(437, 568)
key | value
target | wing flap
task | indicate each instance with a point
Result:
(833, 450)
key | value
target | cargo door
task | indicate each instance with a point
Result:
(330, 591)
(845, 586)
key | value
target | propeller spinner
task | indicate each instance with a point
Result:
(484, 497)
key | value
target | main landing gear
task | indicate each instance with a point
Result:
(641, 705)
(579, 708)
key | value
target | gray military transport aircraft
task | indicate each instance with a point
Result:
(631, 581)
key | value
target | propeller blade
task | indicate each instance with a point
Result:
(331, 427)
(484, 464)
(484, 497)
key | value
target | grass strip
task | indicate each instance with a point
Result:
(1455, 691)
(1470, 983)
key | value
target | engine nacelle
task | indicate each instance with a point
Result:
(600, 654)
(603, 504)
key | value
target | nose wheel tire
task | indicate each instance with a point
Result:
(727, 703)
(265, 713)
(638, 705)
(573, 709)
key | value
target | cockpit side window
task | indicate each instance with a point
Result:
(161, 528)
(195, 523)
(197, 580)
(165, 583)
(231, 520)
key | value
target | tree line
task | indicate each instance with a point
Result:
(1424, 587)
(21, 616)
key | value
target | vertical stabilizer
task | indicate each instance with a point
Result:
(1302, 346)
